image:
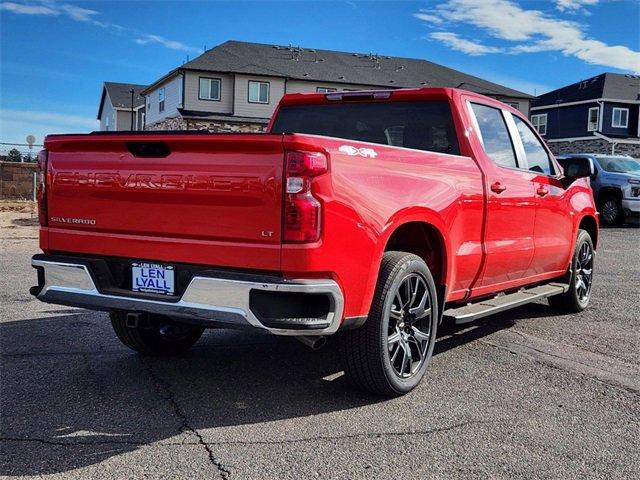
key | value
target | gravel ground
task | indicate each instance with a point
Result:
(526, 394)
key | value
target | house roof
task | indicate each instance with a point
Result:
(120, 95)
(336, 67)
(606, 85)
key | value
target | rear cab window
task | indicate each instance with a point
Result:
(420, 125)
(509, 141)
(537, 157)
(494, 135)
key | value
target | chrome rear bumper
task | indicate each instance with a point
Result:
(206, 300)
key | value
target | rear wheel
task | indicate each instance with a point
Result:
(580, 277)
(154, 334)
(390, 353)
(611, 210)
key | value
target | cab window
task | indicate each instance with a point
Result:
(537, 157)
(494, 135)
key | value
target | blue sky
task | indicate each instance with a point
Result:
(54, 55)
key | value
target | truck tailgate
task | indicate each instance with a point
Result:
(174, 190)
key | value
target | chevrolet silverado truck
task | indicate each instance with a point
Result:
(372, 215)
(615, 184)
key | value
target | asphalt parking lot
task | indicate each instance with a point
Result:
(527, 394)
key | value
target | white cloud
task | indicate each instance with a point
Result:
(574, 5)
(172, 44)
(427, 17)
(23, 9)
(469, 47)
(534, 31)
(80, 14)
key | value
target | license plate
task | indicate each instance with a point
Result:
(152, 278)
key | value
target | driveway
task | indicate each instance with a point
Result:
(526, 394)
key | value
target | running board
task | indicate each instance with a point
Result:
(483, 308)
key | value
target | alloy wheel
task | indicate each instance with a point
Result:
(584, 272)
(610, 211)
(410, 320)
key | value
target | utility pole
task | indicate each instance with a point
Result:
(131, 91)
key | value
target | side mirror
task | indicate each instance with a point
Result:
(578, 167)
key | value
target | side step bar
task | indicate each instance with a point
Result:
(483, 308)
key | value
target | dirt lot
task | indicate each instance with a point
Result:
(527, 394)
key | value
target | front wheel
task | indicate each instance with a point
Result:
(154, 334)
(611, 211)
(580, 277)
(390, 353)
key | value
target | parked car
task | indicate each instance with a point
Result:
(616, 185)
(383, 213)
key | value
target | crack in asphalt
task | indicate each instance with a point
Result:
(606, 370)
(164, 388)
(201, 442)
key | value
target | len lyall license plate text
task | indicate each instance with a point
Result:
(152, 278)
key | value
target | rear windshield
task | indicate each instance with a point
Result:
(420, 125)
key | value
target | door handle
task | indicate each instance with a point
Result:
(542, 191)
(497, 187)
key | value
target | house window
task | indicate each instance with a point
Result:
(106, 123)
(258, 92)
(513, 104)
(325, 90)
(209, 89)
(620, 118)
(540, 123)
(594, 117)
(161, 100)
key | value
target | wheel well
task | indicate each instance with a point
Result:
(609, 192)
(423, 240)
(589, 224)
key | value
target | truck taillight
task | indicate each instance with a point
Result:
(41, 191)
(302, 211)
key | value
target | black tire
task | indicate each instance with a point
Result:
(155, 335)
(370, 352)
(611, 212)
(576, 299)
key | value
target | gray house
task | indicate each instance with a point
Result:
(597, 115)
(116, 105)
(236, 86)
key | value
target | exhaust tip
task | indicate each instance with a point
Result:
(313, 342)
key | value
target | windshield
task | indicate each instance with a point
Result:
(419, 125)
(620, 164)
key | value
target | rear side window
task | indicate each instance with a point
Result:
(537, 157)
(495, 135)
(419, 125)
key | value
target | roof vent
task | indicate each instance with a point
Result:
(424, 83)
(392, 81)
(398, 68)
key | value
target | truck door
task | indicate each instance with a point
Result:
(553, 228)
(511, 206)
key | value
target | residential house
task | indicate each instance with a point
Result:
(597, 115)
(116, 104)
(236, 85)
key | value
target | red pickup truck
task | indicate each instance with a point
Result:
(370, 214)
